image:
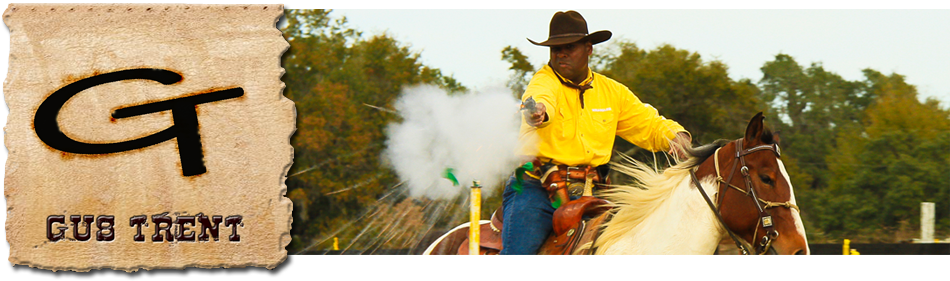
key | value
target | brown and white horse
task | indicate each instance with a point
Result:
(664, 213)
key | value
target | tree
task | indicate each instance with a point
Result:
(520, 67)
(332, 74)
(811, 106)
(884, 170)
(697, 94)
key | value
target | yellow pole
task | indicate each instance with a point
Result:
(846, 247)
(336, 244)
(474, 214)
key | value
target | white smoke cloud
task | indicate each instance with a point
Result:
(476, 134)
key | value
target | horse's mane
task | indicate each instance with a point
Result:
(648, 190)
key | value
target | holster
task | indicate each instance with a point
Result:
(563, 182)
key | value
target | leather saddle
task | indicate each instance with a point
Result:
(569, 228)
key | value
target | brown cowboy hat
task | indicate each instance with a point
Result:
(569, 27)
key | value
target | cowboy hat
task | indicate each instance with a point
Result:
(569, 27)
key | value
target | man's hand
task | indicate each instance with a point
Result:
(537, 117)
(679, 144)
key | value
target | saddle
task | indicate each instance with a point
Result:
(570, 228)
(563, 182)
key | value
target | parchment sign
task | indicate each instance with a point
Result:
(146, 136)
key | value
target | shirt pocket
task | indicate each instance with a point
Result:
(603, 128)
(605, 120)
(568, 124)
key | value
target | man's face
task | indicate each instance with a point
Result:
(570, 60)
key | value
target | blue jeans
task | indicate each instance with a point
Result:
(527, 218)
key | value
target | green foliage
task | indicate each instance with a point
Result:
(333, 73)
(682, 87)
(862, 154)
(697, 94)
(521, 70)
(896, 161)
(810, 107)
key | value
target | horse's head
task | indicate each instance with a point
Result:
(759, 192)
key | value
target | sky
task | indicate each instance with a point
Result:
(467, 44)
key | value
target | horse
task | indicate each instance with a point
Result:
(744, 194)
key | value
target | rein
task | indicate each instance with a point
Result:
(765, 219)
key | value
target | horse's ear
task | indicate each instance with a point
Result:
(754, 131)
(777, 137)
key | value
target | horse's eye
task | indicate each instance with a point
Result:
(766, 179)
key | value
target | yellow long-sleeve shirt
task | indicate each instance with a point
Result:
(585, 136)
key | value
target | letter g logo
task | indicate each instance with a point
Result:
(184, 117)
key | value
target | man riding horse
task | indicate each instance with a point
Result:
(575, 113)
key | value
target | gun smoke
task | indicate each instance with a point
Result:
(475, 134)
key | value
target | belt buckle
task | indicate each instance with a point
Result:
(569, 168)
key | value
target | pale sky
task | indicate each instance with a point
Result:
(468, 43)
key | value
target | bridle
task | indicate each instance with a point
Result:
(765, 219)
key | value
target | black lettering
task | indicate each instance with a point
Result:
(137, 222)
(209, 225)
(183, 226)
(158, 220)
(49, 227)
(87, 221)
(100, 236)
(184, 117)
(233, 222)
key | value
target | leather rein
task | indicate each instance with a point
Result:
(765, 219)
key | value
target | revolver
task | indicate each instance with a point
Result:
(529, 107)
